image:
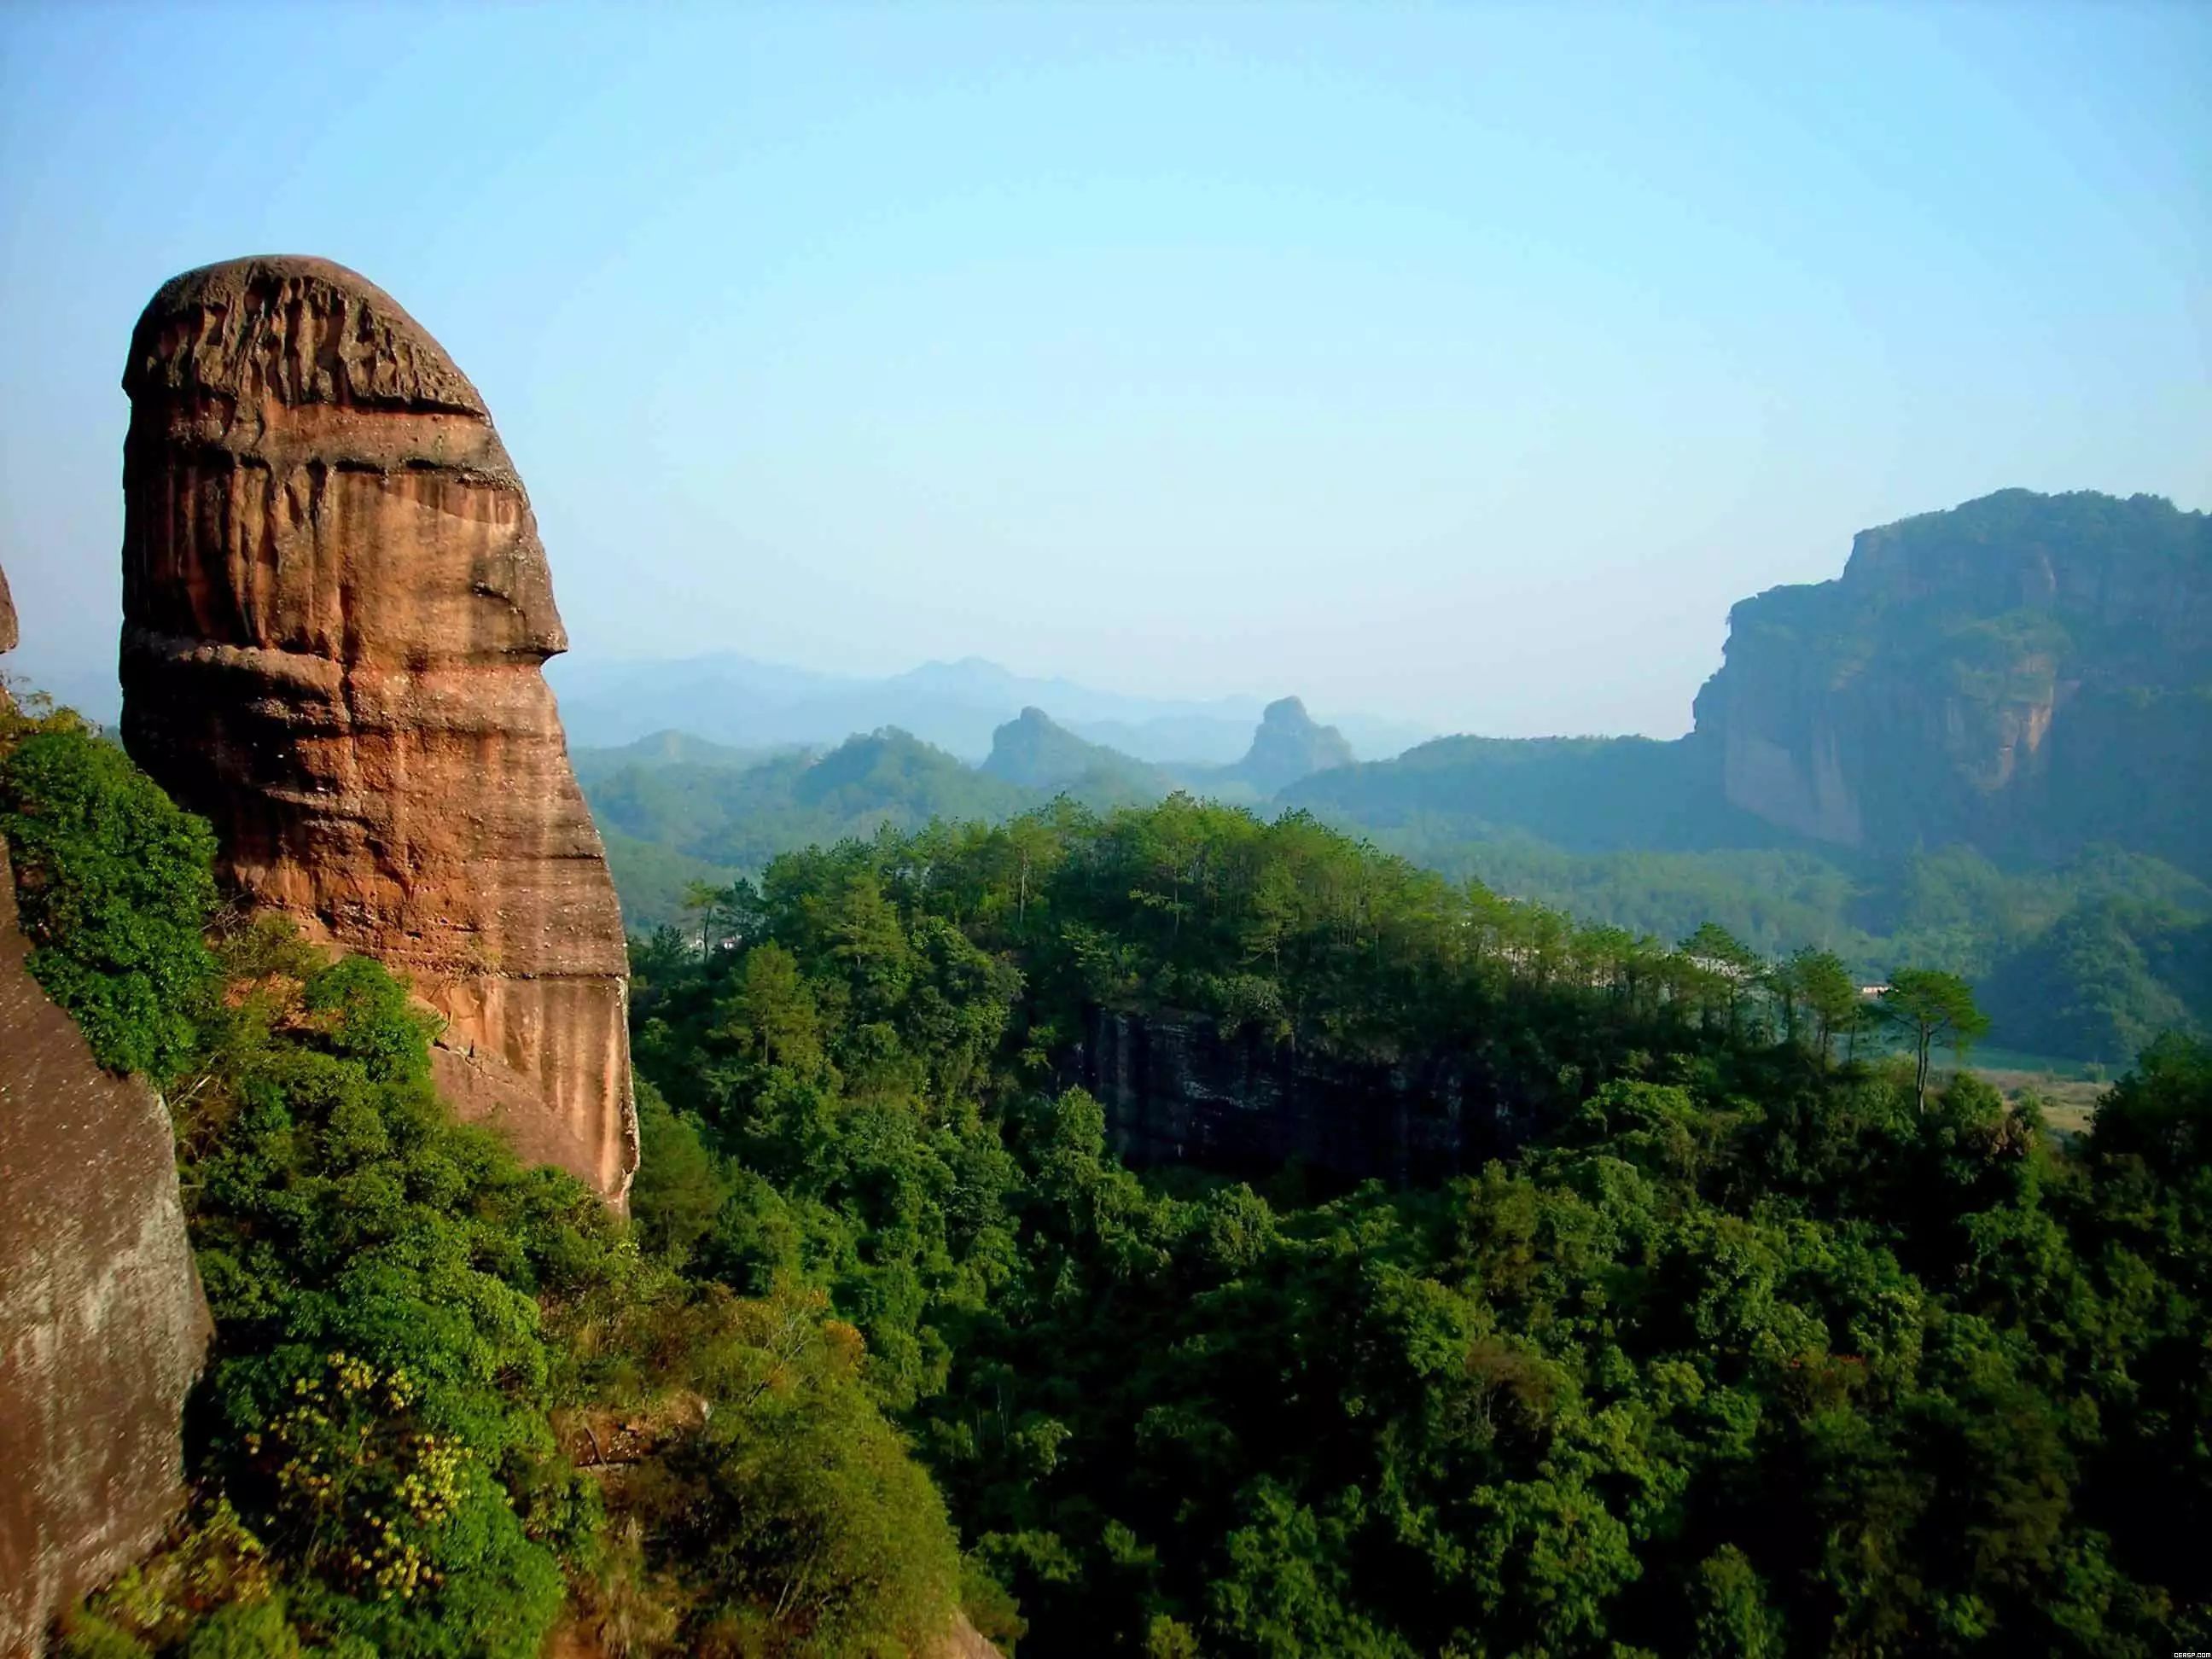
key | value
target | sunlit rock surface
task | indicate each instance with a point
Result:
(2024, 673)
(336, 610)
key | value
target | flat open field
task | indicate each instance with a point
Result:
(2069, 1102)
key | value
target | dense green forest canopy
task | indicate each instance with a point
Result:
(1750, 1337)
(1749, 1350)
(420, 1346)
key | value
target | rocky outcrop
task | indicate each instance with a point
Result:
(1037, 752)
(1176, 1089)
(336, 610)
(6, 615)
(102, 1325)
(1288, 746)
(2027, 672)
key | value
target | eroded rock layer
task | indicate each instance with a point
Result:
(336, 610)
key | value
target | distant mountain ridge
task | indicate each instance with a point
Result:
(738, 700)
(1288, 746)
(1983, 747)
(675, 809)
(670, 747)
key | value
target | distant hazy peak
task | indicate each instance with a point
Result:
(1288, 746)
(1036, 751)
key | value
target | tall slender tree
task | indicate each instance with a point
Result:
(1931, 1006)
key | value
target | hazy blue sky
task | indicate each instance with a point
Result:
(1464, 364)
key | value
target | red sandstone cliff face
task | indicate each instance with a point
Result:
(335, 608)
(102, 1324)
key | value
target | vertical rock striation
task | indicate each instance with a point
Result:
(336, 610)
(102, 1324)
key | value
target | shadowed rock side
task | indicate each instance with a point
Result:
(102, 1325)
(336, 610)
(1177, 1090)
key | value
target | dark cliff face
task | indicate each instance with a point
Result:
(2027, 672)
(102, 1325)
(1177, 1090)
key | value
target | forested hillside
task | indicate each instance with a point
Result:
(1034, 752)
(1740, 1332)
(1740, 1339)
(709, 816)
(450, 1407)
(2086, 961)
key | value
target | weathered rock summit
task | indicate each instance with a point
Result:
(336, 611)
(102, 1324)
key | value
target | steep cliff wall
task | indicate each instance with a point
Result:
(102, 1325)
(1176, 1090)
(2027, 672)
(335, 609)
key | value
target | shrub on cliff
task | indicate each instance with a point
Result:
(114, 887)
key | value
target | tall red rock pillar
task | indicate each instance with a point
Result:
(335, 609)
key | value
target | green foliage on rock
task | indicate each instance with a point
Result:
(394, 1446)
(113, 889)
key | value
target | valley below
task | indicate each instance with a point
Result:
(1950, 789)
